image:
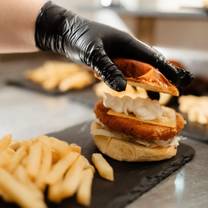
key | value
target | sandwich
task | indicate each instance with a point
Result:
(137, 129)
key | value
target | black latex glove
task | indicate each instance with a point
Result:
(96, 45)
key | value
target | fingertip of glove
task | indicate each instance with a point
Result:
(185, 77)
(118, 84)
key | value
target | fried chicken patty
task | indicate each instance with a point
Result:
(135, 128)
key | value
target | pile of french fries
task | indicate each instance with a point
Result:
(28, 167)
(54, 75)
(196, 108)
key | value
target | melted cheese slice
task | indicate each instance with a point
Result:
(167, 119)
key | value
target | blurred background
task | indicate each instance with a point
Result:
(178, 27)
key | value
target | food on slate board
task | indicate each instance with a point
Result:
(138, 129)
(196, 108)
(61, 76)
(29, 167)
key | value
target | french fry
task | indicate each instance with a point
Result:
(15, 145)
(17, 158)
(45, 167)
(34, 160)
(88, 165)
(21, 174)
(76, 81)
(50, 84)
(75, 148)
(18, 192)
(58, 170)
(61, 76)
(58, 144)
(5, 158)
(27, 167)
(4, 195)
(5, 142)
(103, 167)
(24, 161)
(35, 75)
(10, 151)
(59, 148)
(55, 192)
(85, 187)
(27, 144)
(73, 177)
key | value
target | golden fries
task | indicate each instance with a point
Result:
(102, 166)
(76, 81)
(16, 159)
(59, 148)
(28, 167)
(74, 147)
(195, 107)
(85, 187)
(4, 195)
(45, 167)
(61, 76)
(34, 160)
(17, 192)
(15, 145)
(21, 174)
(5, 142)
(5, 156)
(55, 192)
(67, 187)
(61, 167)
(73, 177)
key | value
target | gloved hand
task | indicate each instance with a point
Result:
(96, 45)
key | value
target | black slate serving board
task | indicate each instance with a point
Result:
(131, 179)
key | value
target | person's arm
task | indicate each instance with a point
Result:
(17, 25)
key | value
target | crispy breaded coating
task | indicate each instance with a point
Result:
(135, 128)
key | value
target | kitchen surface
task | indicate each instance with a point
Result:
(26, 113)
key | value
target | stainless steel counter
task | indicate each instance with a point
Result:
(25, 114)
(187, 188)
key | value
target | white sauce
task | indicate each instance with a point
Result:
(141, 107)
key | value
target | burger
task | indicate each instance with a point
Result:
(137, 129)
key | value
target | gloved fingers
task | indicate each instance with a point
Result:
(107, 70)
(137, 50)
(153, 95)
